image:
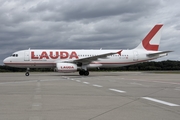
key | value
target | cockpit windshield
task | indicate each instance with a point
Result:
(14, 55)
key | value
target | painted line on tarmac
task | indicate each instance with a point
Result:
(86, 83)
(36, 104)
(160, 101)
(64, 77)
(116, 90)
(134, 83)
(78, 81)
(97, 85)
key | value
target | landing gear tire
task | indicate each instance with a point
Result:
(86, 73)
(27, 73)
(83, 72)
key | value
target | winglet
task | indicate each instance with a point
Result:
(119, 52)
(152, 40)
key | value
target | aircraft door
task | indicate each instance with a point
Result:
(26, 55)
(135, 55)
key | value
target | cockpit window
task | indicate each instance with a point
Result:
(14, 55)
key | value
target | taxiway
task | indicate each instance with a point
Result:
(99, 96)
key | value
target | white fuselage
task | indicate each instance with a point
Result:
(33, 58)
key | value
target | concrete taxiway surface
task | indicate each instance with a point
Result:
(100, 96)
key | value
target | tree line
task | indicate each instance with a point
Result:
(146, 66)
(150, 66)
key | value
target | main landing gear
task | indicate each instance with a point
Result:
(27, 72)
(84, 72)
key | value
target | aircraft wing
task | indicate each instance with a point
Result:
(88, 60)
(158, 53)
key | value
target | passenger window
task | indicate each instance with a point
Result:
(16, 55)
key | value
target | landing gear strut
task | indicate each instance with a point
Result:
(27, 72)
(84, 72)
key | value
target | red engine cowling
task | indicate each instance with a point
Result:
(66, 67)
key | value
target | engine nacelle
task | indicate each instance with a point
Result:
(66, 67)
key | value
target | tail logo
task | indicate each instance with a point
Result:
(147, 39)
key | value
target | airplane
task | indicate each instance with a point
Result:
(67, 61)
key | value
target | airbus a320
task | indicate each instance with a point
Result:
(68, 61)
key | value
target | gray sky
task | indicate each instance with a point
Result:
(86, 24)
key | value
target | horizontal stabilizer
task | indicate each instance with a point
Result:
(158, 53)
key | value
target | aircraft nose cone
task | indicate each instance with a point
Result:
(5, 61)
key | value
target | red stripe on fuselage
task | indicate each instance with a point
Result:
(54, 64)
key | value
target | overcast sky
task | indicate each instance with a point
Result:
(86, 24)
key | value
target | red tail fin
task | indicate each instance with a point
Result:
(151, 41)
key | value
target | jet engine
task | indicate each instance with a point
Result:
(66, 67)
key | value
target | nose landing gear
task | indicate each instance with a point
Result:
(27, 72)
